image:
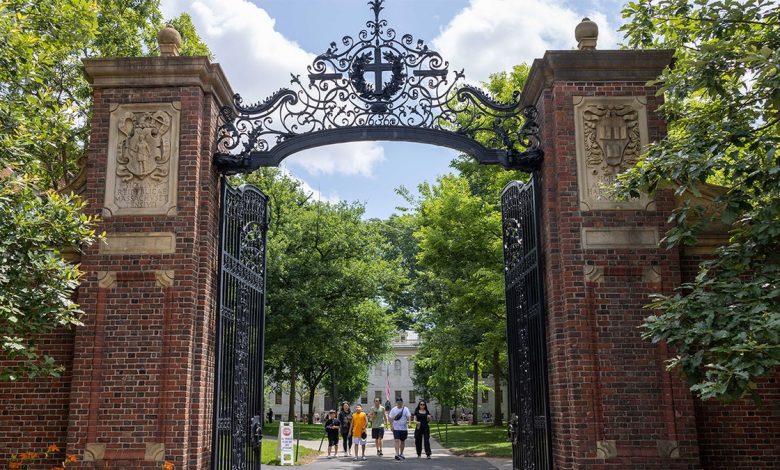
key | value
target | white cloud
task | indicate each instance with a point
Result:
(354, 158)
(256, 58)
(493, 35)
(316, 195)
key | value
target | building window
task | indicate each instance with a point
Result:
(378, 394)
(411, 367)
(278, 398)
(398, 395)
(411, 396)
(484, 396)
(364, 397)
(397, 367)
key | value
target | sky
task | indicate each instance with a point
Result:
(259, 43)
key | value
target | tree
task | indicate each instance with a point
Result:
(326, 281)
(722, 103)
(45, 106)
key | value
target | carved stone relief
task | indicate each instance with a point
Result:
(611, 133)
(143, 159)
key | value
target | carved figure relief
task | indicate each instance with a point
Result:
(610, 132)
(143, 158)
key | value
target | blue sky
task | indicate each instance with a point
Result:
(260, 42)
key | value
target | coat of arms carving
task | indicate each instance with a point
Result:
(143, 159)
(611, 132)
(144, 146)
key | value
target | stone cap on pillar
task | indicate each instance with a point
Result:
(594, 66)
(159, 72)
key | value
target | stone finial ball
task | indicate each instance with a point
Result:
(169, 35)
(586, 29)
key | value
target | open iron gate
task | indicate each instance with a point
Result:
(238, 391)
(529, 408)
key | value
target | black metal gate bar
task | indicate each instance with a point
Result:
(529, 425)
(238, 390)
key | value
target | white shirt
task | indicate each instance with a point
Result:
(401, 423)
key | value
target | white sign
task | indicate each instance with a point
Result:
(284, 445)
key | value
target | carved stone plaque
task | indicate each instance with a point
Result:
(611, 134)
(143, 159)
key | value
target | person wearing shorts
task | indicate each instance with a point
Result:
(358, 433)
(399, 416)
(332, 430)
(378, 419)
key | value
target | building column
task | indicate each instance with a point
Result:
(613, 403)
(143, 361)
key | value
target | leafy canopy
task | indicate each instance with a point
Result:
(722, 103)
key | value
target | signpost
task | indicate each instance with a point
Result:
(284, 445)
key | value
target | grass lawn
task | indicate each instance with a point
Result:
(478, 441)
(308, 432)
(269, 454)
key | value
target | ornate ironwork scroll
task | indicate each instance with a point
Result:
(529, 409)
(238, 400)
(378, 87)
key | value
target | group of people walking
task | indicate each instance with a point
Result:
(353, 427)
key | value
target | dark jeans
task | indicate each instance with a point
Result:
(347, 441)
(422, 437)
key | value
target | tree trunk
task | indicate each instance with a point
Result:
(499, 395)
(475, 401)
(312, 391)
(291, 406)
(446, 414)
(335, 392)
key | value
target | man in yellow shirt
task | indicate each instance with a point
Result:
(359, 423)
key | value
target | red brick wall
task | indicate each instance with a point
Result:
(142, 367)
(606, 382)
(34, 413)
(740, 435)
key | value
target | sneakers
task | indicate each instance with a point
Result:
(428, 456)
(355, 459)
(363, 458)
(398, 457)
(402, 456)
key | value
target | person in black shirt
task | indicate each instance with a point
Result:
(345, 420)
(332, 427)
(422, 432)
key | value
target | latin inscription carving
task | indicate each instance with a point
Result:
(143, 159)
(611, 133)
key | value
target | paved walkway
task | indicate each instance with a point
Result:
(441, 458)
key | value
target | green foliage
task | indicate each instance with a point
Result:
(722, 102)
(36, 283)
(458, 269)
(327, 279)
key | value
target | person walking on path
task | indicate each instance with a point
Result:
(399, 416)
(422, 432)
(359, 436)
(332, 430)
(345, 421)
(378, 419)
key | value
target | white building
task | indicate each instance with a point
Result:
(397, 372)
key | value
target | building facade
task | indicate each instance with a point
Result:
(388, 381)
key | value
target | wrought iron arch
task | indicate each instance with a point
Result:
(421, 101)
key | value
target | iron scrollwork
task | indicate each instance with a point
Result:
(421, 100)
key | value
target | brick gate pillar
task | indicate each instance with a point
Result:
(613, 403)
(142, 369)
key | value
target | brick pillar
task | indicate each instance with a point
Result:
(613, 403)
(142, 368)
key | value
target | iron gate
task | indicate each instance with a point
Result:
(529, 422)
(238, 391)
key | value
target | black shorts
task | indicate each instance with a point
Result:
(333, 439)
(377, 433)
(400, 435)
